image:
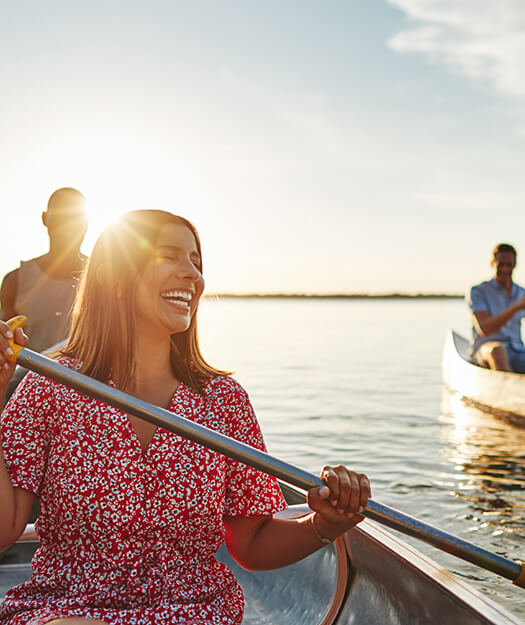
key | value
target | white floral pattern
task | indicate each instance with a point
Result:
(129, 536)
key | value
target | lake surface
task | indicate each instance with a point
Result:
(359, 382)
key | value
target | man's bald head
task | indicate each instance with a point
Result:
(66, 218)
(67, 199)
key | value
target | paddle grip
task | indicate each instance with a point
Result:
(15, 322)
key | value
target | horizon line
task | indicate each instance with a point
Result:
(291, 295)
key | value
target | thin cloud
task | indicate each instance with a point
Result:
(482, 39)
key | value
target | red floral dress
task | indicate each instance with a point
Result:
(129, 536)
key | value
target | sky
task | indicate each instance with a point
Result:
(319, 147)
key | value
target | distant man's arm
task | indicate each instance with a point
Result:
(486, 324)
(8, 292)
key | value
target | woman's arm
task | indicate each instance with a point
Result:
(15, 503)
(262, 543)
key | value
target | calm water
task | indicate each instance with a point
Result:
(359, 382)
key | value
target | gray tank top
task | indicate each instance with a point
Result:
(46, 303)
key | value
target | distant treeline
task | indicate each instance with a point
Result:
(336, 295)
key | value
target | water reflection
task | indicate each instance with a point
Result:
(490, 454)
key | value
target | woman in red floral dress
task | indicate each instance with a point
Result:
(131, 515)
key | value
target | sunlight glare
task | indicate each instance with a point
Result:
(117, 172)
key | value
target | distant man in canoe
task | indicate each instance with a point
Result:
(44, 288)
(131, 514)
(498, 306)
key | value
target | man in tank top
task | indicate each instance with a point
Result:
(44, 288)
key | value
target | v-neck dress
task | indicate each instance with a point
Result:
(129, 536)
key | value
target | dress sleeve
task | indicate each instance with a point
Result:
(25, 428)
(249, 492)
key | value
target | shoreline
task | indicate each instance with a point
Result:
(410, 296)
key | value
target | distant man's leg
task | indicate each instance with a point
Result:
(493, 355)
(517, 360)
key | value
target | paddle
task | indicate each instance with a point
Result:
(260, 460)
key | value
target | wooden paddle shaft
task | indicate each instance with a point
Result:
(266, 463)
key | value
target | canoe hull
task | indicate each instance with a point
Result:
(499, 393)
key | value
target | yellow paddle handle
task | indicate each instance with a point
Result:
(14, 323)
(520, 580)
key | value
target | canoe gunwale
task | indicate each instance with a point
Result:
(442, 579)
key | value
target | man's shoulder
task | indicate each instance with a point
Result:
(480, 296)
(8, 290)
(485, 287)
(486, 284)
(10, 277)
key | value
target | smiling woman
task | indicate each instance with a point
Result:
(132, 515)
(144, 258)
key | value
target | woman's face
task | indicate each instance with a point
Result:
(169, 289)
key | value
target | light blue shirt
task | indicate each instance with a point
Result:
(493, 298)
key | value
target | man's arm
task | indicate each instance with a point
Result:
(8, 292)
(486, 324)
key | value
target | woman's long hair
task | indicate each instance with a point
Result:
(103, 327)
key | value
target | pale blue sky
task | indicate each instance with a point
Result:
(334, 146)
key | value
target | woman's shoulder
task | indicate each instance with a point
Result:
(68, 361)
(224, 385)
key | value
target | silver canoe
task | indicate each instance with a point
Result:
(368, 577)
(499, 393)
